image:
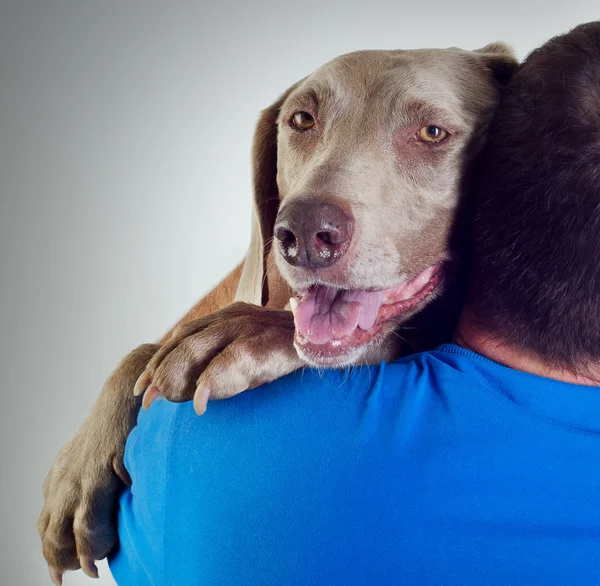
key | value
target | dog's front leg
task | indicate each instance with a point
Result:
(221, 355)
(77, 524)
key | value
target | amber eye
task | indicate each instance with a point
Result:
(432, 134)
(303, 120)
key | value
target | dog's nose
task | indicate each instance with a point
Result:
(312, 234)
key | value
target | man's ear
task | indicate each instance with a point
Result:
(253, 285)
(500, 58)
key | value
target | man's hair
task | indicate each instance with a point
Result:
(535, 272)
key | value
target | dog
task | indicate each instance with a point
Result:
(360, 175)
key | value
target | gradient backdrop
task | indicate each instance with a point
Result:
(125, 132)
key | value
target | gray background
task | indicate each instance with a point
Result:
(125, 130)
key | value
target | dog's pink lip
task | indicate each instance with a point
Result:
(341, 351)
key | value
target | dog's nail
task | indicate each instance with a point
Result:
(142, 382)
(88, 566)
(293, 305)
(201, 397)
(55, 575)
(149, 396)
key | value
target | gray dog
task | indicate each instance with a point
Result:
(359, 174)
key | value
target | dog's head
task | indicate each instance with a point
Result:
(358, 174)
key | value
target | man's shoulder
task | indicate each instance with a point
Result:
(313, 386)
(306, 397)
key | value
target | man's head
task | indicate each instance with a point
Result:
(535, 279)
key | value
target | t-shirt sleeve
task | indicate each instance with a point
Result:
(187, 470)
(141, 515)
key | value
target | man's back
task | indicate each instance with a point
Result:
(442, 468)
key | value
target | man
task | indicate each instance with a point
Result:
(476, 463)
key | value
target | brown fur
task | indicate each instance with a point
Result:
(220, 296)
(403, 199)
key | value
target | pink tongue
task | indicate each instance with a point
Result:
(326, 314)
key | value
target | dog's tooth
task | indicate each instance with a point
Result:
(293, 305)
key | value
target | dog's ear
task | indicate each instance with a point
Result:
(253, 285)
(500, 58)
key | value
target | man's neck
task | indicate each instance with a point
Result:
(470, 336)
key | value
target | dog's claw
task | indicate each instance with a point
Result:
(88, 566)
(150, 396)
(201, 397)
(55, 575)
(142, 382)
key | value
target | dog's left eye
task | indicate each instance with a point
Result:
(303, 120)
(432, 133)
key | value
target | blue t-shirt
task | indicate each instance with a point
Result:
(440, 468)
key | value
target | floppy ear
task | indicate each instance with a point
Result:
(253, 286)
(501, 60)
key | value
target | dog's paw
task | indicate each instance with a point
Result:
(77, 524)
(221, 355)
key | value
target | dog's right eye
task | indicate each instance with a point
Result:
(302, 121)
(432, 134)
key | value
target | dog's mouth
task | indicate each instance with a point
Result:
(334, 326)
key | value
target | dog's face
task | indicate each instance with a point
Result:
(371, 153)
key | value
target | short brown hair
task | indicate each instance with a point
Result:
(535, 274)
